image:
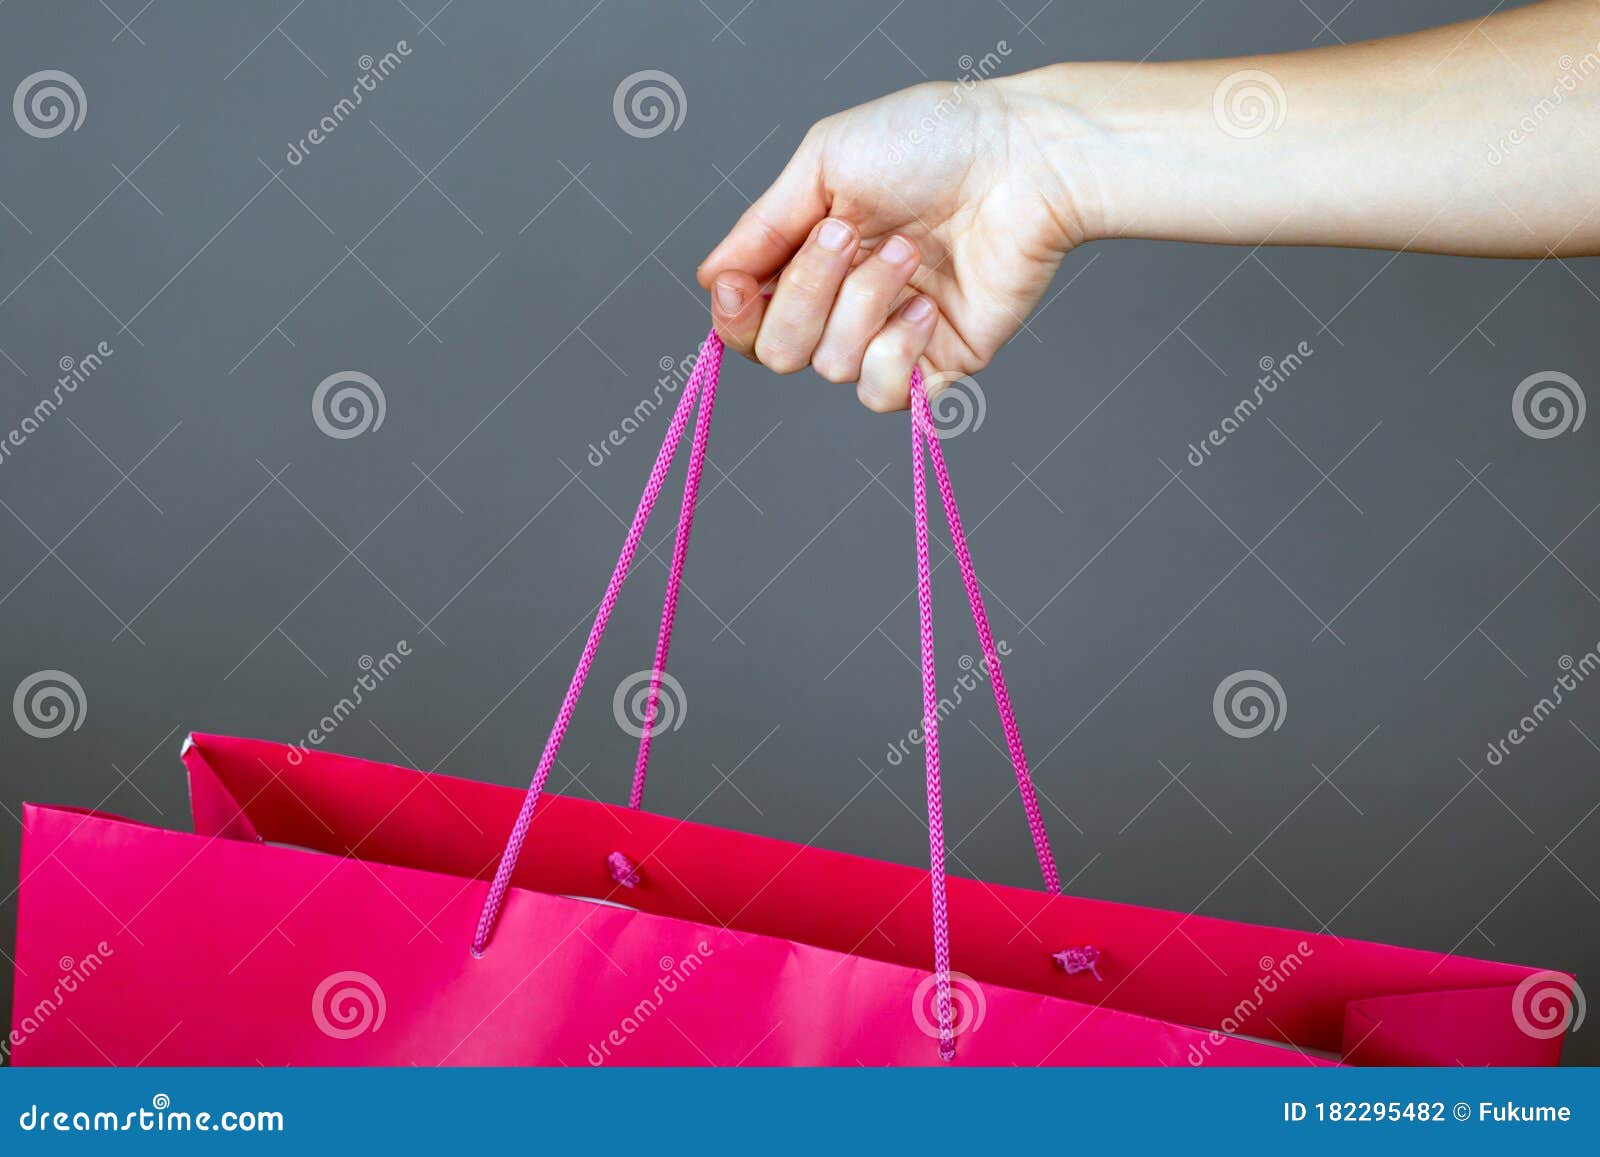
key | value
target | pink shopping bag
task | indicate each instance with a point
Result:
(328, 911)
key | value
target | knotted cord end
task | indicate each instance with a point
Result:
(622, 870)
(1084, 958)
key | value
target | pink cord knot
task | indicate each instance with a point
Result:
(622, 870)
(1075, 960)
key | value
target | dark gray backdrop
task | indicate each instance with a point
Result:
(511, 267)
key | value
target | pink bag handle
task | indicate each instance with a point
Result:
(702, 383)
(925, 433)
(969, 576)
(680, 548)
(707, 367)
(924, 430)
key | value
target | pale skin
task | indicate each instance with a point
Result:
(926, 225)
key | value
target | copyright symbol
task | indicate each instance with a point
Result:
(1462, 1111)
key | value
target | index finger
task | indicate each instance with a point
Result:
(775, 226)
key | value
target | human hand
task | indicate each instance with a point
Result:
(925, 224)
(928, 224)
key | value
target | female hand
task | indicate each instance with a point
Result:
(926, 224)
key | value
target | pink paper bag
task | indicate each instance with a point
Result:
(331, 911)
(322, 912)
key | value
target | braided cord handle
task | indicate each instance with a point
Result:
(921, 431)
(922, 416)
(680, 551)
(707, 367)
(925, 434)
(702, 384)
(969, 578)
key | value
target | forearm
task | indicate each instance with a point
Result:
(1480, 138)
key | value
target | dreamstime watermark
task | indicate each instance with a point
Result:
(1572, 74)
(648, 103)
(631, 704)
(973, 72)
(974, 675)
(73, 974)
(1274, 373)
(968, 1006)
(674, 974)
(373, 72)
(1249, 103)
(348, 1004)
(1574, 674)
(348, 404)
(375, 672)
(49, 703)
(1274, 974)
(673, 376)
(957, 403)
(49, 103)
(1548, 404)
(160, 1117)
(74, 373)
(1248, 703)
(1547, 1004)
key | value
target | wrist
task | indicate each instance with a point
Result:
(1140, 150)
(1072, 136)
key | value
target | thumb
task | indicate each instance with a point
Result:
(775, 226)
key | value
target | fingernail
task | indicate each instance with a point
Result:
(729, 297)
(919, 309)
(834, 235)
(896, 251)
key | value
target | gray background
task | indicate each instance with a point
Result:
(1434, 565)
